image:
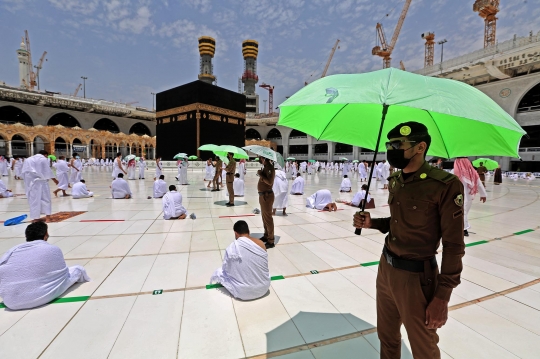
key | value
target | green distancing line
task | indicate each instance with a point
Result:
(523, 232)
(475, 243)
(277, 277)
(369, 264)
(60, 300)
(217, 285)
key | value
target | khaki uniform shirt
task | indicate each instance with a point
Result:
(424, 208)
(266, 178)
(218, 166)
(230, 170)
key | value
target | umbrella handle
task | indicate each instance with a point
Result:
(358, 231)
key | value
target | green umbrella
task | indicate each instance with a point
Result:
(343, 159)
(355, 161)
(52, 157)
(129, 157)
(312, 161)
(192, 158)
(180, 155)
(291, 159)
(137, 158)
(255, 159)
(208, 147)
(266, 153)
(489, 164)
(237, 152)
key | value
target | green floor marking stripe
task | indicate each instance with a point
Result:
(277, 277)
(71, 299)
(475, 243)
(212, 286)
(369, 264)
(523, 232)
(2, 305)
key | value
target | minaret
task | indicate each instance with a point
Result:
(250, 50)
(207, 48)
(24, 74)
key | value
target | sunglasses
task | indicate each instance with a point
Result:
(395, 145)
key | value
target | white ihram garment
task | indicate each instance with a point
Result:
(362, 170)
(36, 173)
(298, 185)
(160, 188)
(3, 167)
(209, 173)
(241, 171)
(120, 188)
(280, 189)
(319, 199)
(345, 185)
(172, 205)
(4, 193)
(159, 166)
(142, 167)
(116, 169)
(238, 188)
(80, 191)
(62, 174)
(17, 168)
(244, 272)
(468, 198)
(358, 197)
(182, 172)
(34, 273)
(385, 173)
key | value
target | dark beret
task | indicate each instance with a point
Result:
(408, 129)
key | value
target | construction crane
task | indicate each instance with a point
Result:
(40, 66)
(327, 62)
(488, 9)
(429, 52)
(402, 65)
(131, 103)
(382, 48)
(77, 90)
(270, 89)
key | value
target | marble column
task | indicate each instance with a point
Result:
(310, 147)
(356, 153)
(9, 152)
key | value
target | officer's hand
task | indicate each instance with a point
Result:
(483, 199)
(436, 313)
(362, 220)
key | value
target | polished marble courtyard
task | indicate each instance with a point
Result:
(148, 297)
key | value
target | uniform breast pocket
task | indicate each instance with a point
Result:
(417, 212)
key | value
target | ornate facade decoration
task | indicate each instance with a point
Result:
(200, 110)
(265, 143)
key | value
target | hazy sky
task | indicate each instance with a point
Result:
(128, 49)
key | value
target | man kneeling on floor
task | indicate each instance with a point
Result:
(172, 205)
(244, 272)
(34, 273)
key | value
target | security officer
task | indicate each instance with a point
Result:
(482, 170)
(266, 199)
(229, 178)
(216, 181)
(426, 204)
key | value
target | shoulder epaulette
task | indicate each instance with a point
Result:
(441, 175)
(395, 174)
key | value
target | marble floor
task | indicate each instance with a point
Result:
(321, 302)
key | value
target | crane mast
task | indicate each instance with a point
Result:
(488, 9)
(270, 89)
(429, 52)
(330, 59)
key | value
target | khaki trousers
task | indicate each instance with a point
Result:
(402, 298)
(230, 188)
(266, 201)
(216, 181)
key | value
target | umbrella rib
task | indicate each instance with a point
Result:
(444, 143)
(332, 119)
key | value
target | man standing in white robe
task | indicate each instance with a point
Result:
(160, 187)
(142, 167)
(172, 205)
(120, 188)
(36, 174)
(385, 173)
(4, 192)
(80, 190)
(238, 186)
(346, 185)
(3, 166)
(281, 192)
(62, 170)
(298, 185)
(472, 185)
(346, 168)
(182, 172)
(362, 171)
(241, 171)
(35, 273)
(244, 272)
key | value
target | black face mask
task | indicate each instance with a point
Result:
(397, 159)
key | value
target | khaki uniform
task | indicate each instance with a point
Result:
(266, 199)
(216, 181)
(424, 207)
(482, 170)
(229, 179)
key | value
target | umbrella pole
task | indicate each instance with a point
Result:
(358, 231)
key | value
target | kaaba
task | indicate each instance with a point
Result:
(197, 114)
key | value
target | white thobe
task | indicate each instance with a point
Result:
(160, 188)
(345, 185)
(298, 185)
(120, 188)
(36, 174)
(131, 172)
(17, 167)
(62, 174)
(80, 191)
(158, 169)
(385, 173)
(3, 167)
(280, 189)
(142, 167)
(319, 199)
(362, 170)
(238, 187)
(209, 172)
(116, 168)
(182, 172)
(172, 205)
(241, 171)
(468, 198)
(345, 169)
(4, 193)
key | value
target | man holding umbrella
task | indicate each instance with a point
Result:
(266, 199)
(426, 204)
(229, 178)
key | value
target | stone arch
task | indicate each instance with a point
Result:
(41, 142)
(530, 99)
(274, 133)
(106, 124)
(13, 114)
(253, 134)
(343, 148)
(22, 135)
(19, 145)
(140, 129)
(296, 133)
(64, 119)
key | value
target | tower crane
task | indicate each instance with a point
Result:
(270, 89)
(382, 48)
(488, 9)
(77, 90)
(430, 48)
(402, 65)
(327, 62)
(40, 65)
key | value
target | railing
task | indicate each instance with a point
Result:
(528, 109)
(529, 149)
(291, 138)
(343, 154)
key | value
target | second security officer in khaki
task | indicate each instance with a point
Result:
(426, 206)
(229, 178)
(266, 199)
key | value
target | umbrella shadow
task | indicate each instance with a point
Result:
(329, 330)
(236, 203)
(259, 236)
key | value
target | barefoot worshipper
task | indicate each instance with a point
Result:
(321, 200)
(62, 170)
(36, 173)
(34, 273)
(80, 191)
(472, 184)
(142, 167)
(160, 187)
(244, 272)
(281, 192)
(120, 188)
(4, 192)
(297, 187)
(172, 205)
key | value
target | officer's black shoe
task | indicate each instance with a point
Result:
(269, 245)
(214, 190)
(466, 233)
(264, 239)
(229, 204)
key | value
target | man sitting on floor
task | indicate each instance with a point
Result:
(298, 185)
(172, 205)
(120, 188)
(321, 200)
(359, 198)
(80, 190)
(160, 187)
(244, 272)
(4, 192)
(34, 273)
(345, 184)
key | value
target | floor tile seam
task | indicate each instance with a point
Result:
(331, 266)
(11, 326)
(496, 276)
(510, 319)
(511, 210)
(525, 251)
(122, 327)
(182, 314)
(506, 253)
(520, 302)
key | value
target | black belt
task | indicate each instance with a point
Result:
(262, 193)
(406, 264)
(229, 173)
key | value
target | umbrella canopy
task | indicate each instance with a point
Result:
(255, 159)
(237, 152)
(349, 109)
(312, 161)
(291, 159)
(129, 157)
(192, 157)
(137, 158)
(343, 159)
(266, 153)
(52, 157)
(355, 161)
(180, 155)
(208, 147)
(489, 164)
